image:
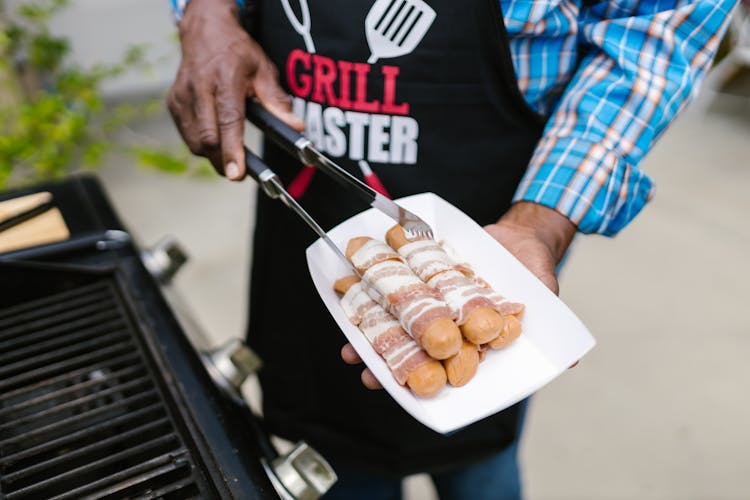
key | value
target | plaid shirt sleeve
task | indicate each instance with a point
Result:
(640, 63)
(178, 7)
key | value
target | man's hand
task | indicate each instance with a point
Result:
(536, 235)
(350, 357)
(221, 67)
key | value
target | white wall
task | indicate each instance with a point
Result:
(101, 30)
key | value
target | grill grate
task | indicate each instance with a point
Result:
(81, 414)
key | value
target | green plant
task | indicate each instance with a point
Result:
(53, 118)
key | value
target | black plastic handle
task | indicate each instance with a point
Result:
(99, 240)
(255, 166)
(17, 219)
(279, 132)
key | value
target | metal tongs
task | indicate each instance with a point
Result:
(302, 148)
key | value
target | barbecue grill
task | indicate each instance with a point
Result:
(101, 393)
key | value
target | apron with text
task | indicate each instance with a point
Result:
(424, 93)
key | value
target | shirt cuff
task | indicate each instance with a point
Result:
(178, 7)
(589, 184)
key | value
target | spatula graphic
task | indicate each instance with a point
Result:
(395, 27)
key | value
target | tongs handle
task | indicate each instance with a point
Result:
(279, 132)
(300, 147)
(257, 169)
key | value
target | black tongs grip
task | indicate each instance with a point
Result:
(279, 132)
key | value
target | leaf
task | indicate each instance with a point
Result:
(64, 123)
(40, 12)
(160, 160)
(94, 153)
(46, 51)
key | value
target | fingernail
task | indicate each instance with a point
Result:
(232, 170)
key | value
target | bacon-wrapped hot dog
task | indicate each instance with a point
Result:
(463, 366)
(471, 303)
(510, 332)
(409, 363)
(421, 310)
(511, 313)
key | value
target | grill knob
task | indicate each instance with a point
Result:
(164, 259)
(304, 472)
(235, 362)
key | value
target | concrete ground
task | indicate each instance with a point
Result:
(660, 408)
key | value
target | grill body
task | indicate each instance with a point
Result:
(101, 394)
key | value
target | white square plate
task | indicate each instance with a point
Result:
(553, 337)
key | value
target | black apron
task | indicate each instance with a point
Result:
(443, 115)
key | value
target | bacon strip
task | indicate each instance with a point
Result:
(462, 290)
(373, 252)
(501, 304)
(400, 352)
(407, 297)
(462, 294)
(426, 258)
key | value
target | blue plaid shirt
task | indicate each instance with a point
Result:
(610, 76)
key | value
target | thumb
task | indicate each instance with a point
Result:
(549, 278)
(274, 99)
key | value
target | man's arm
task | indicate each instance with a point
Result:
(221, 67)
(642, 61)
